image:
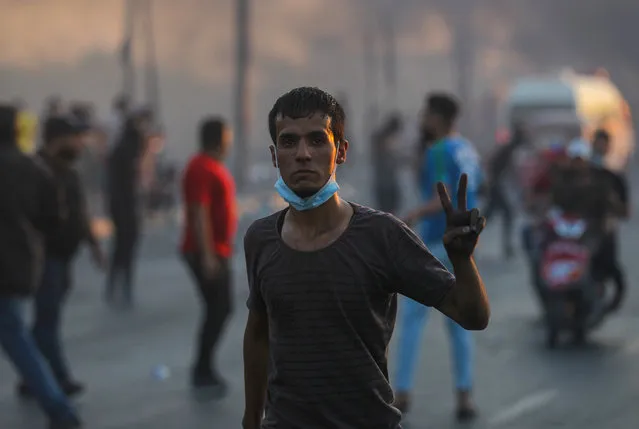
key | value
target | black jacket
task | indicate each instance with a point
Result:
(63, 242)
(122, 171)
(30, 206)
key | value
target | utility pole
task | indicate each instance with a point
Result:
(370, 78)
(242, 98)
(463, 59)
(126, 54)
(387, 19)
(152, 86)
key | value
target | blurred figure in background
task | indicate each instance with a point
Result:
(53, 107)
(63, 146)
(30, 206)
(124, 204)
(120, 109)
(447, 156)
(208, 191)
(27, 129)
(385, 165)
(498, 169)
(619, 185)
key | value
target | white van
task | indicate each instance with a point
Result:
(595, 100)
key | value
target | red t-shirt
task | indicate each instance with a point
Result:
(208, 182)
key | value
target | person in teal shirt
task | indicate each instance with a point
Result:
(446, 157)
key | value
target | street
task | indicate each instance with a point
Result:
(124, 356)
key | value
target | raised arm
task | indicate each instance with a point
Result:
(467, 303)
(418, 275)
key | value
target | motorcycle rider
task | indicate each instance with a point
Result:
(581, 188)
(537, 197)
(608, 256)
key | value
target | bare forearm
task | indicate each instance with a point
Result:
(429, 208)
(89, 235)
(255, 379)
(468, 301)
(203, 234)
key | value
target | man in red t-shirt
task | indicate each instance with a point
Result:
(209, 199)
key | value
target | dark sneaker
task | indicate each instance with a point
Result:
(208, 386)
(466, 414)
(65, 424)
(70, 388)
(465, 409)
(23, 391)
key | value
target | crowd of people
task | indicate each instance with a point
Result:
(324, 274)
(44, 220)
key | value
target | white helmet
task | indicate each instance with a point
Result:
(579, 148)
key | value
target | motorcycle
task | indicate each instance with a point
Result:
(572, 298)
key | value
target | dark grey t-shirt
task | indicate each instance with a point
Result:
(331, 315)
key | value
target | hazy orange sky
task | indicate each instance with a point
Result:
(191, 34)
(70, 47)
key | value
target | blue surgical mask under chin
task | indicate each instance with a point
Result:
(309, 203)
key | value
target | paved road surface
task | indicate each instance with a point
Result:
(520, 385)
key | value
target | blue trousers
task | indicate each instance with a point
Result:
(49, 300)
(412, 319)
(18, 344)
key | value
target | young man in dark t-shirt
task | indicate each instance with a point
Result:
(324, 276)
(209, 198)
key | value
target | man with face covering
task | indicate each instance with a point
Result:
(30, 207)
(63, 145)
(324, 275)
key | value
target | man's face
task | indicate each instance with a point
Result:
(227, 142)
(429, 126)
(143, 125)
(306, 152)
(68, 149)
(600, 146)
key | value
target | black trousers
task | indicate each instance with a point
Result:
(606, 265)
(216, 297)
(126, 225)
(497, 202)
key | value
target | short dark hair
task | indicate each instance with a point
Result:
(394, 123)
(57, 127)
(601, 134)
(212, 132)
(444, 105)
(121, 103)
(8, 125)
(304, 102)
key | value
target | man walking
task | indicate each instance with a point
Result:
(324, 275)
(500, 164)
(209, 199)
(447, 158)
(30, 206)
(123, 188)
(62, 147)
